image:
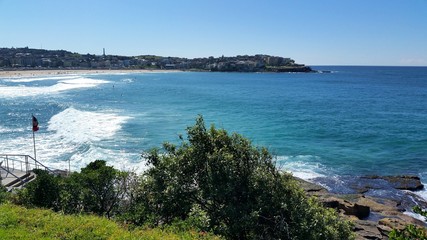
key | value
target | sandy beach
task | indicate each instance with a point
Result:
(37, 73)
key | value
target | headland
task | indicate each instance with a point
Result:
(40, 59)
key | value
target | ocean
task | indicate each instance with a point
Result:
(342, 123)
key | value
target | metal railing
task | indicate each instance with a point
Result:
(24, 163)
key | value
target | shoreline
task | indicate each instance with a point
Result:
(373, 217)
(58, 72)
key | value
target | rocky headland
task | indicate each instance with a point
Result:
(41, 59)
(375, 204)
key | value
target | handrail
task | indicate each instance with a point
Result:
(27, 163)
(7, 170)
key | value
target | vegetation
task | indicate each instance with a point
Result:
(408, 233)
(235, 188)
(97, 189)
(21, 223)
(419, 210)
(28, 58)
(3, 194)
(213, 182)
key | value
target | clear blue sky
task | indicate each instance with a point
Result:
(326, 32)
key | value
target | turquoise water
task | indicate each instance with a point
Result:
(351, 121)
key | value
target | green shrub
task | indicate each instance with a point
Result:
(41, 192)
(419, 210)
(4, 195)
(233, 189)
(410, 232)
(98, 189)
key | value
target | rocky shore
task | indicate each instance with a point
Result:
(374, 215)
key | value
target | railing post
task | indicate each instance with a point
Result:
(7, 162)
(26, 163)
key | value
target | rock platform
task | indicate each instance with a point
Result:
(374, 216)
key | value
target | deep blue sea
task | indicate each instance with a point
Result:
(352, 121)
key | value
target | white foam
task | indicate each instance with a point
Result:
(78, 136)
(8, 130)
(415, 215)
(422, 193)
(117, 158)
(83, 126)
(60, 86)
(25, 80)
(128, 80)
(301, 166)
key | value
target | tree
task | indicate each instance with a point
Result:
(42, 192)
(103, 187)
(236, 186)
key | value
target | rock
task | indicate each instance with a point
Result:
(374, 216)
(311, 188)
(411, 183)
(366, 230)
(386, 225)
(348, 208)
(379, 205)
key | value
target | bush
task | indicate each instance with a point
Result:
(4, 195)
(419, 210)
(98, 189)
(233, 189)
(41, 192)
(408, 233)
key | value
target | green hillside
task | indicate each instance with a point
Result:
(20, 223)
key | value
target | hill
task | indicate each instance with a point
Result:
(21, 223)
(28, 58)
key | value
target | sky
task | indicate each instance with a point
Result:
(326, 32)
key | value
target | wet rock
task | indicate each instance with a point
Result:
(411, 183)
(311, 188)
(348, 208)
(367, 230)
(380, 205)
(374, 215)
(386, 225)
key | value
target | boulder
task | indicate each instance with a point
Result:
(374, 216)
(379, 205)
(311, 188)
(348, 208)
(386, 225)
(405, 182)
(366, 230)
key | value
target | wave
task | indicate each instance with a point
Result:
(60, 86)
(302, 166)
(83, 126)
(8, 130)
(34, 79)
(77, 138)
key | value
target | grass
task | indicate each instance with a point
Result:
(20, 223)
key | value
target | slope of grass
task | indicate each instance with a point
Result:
(20, 223)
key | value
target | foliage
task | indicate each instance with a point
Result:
(408, 233)
(232, 188)
(102, 187)
(419, 210)
(21, 223)
(41, 192)
(4, 195)
(98, 189)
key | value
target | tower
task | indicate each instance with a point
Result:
(103, 52)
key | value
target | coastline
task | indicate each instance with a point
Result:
(374, 217)
(58, 72)
(365, 187)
